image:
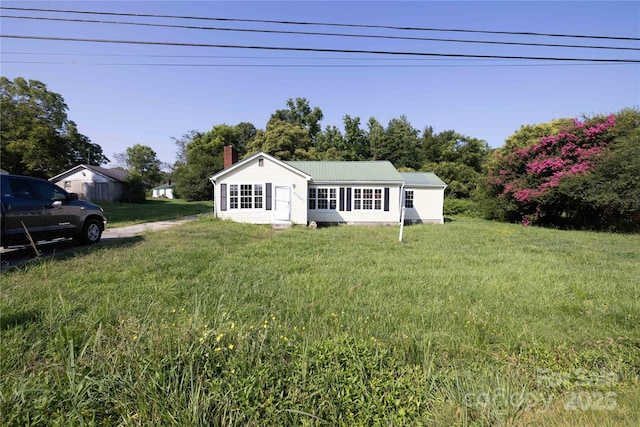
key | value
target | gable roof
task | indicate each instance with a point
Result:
(264, 155)
(422, 179)
(327, 172)
(342, 171)
(163, 187)
(116, 175)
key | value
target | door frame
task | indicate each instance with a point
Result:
(279, 215)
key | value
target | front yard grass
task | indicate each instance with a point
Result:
(218, 323)
(123, 214)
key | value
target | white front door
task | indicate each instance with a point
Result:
(282, 210)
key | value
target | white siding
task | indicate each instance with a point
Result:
(427, 205)
(263, 169)
(162, 192)
(90, 186)
(361, 216)
(269, 172)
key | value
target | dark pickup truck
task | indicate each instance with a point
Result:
(46, 212)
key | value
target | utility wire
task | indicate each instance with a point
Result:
(267, 21)
(206, 56)
(308, 49)
(450, 62)
(155, 64)
(311, 33)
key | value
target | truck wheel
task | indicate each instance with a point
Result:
(91, 232)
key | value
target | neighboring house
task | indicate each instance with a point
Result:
(93, 183)
(262, 189)
(164, 190)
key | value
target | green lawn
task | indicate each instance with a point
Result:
(217, 323)
(123, 214)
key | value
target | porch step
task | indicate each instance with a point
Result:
(280, 225)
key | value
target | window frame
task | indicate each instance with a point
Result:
(409, 200)
(318, 196)
(368, 198)
(246, 196)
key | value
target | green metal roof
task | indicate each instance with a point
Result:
(162, 187)
(421, 179)
(338, 171)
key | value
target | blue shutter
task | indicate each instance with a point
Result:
(223, 197)
(386, 199)
(349, 198)
(341, 207)
(268, 196)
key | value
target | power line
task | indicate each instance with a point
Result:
(456, 62)
(155, 64)
(268, 21)
(270, 57)
(312, 33)
(81, 54)
(324, 50)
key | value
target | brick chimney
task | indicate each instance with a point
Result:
(230, 155)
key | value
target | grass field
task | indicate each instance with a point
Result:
(216, 323)
(123, 214)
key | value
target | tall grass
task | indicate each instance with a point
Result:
(123, 214)
(217, 323)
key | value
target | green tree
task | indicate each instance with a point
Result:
(529, 134)
(450, 146)
(375, 136)
(244, 134)
(355, 138)
(438, 147)
(299, 113)
(204, 157)
(458, 159)
(36, 136)
(401, 144)
(461, 179)
(611, 191)
(134, 189)
(330, 144)
(283, 140)
(143, 161)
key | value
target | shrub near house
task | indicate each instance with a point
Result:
(586, 174)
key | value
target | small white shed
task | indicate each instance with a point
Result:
(162, 191)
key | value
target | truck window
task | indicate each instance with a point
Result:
(21, 189)
(46, 191)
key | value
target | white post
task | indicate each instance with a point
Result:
(401, 223)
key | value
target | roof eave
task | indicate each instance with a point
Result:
(66, 173)
(359, 182)
(409, 184)
(215, 177)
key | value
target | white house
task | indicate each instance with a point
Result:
(92, 183)
(164, 191)
(262, 189)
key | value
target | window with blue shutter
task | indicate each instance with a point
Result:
(386, 199)
(223, 197)
(268, 197)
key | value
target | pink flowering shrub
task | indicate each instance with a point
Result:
(527, 179)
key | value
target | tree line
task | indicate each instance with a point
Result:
(575, 173)
(294, 133)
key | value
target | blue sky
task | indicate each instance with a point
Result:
(121, 94)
